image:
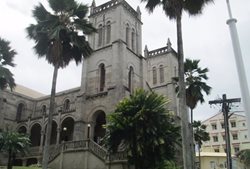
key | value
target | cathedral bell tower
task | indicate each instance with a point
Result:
(116, 63)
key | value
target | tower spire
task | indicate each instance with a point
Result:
(169, 45)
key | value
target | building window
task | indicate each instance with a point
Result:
(99, 31)
(161, 69)
(127, 34)
(214, 127)
(215, 138)
(44, 109)
(236, 149)
(130, 78)
(108, 36)
(245, 136)
(243, 124)
(224, 138)
(233, 124)
(212, 164)
(102, 76)
(235, 136)
(216, 150)
(225, 150)
(66, 105)
(154, 75)
(20, 111)
(133, 40)
(222, 125)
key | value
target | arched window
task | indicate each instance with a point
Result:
(99, 31)
(127, 34)
(108, 36)
(130, 78)
(20, 111)
(133, 40)
(154, 75)
(161, 69)
(102, 76)
(44, 109)
(66, 105)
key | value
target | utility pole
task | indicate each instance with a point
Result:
(225, 109)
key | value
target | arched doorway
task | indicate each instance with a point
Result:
(22, 130)
(67, 129)
(99, 131)
(35, 135)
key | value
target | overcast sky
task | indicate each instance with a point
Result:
(206, 37)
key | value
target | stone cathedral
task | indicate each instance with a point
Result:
(115, 69)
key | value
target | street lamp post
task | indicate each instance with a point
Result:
(239, 64)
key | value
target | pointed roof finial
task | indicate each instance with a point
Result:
(146, 51)
(169, 45)
(138, 10)
(93, 3)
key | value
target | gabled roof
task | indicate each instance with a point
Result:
(27, 91)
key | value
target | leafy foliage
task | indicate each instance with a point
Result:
(12, 142)
(143, 124)
(60, 36)
(195, 86)
(6, 59)
(244, 157)
(200, 133)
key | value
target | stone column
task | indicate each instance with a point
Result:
(79, 132)
(58, 135)
(41, 141)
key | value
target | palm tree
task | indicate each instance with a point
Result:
(12, 143)
(143, 125)
(173, 10)
(195, 86)
(194, 76)
(200, 135)
(60, 37)
(6, 59)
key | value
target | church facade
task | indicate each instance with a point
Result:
(115, 69)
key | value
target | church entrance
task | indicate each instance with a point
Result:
(99, 131)
(35, 135)
(67, 129)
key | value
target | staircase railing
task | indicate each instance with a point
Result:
(90, 145)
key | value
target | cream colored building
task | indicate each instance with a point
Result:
(213, 152)
(239, 138)
(115, 69)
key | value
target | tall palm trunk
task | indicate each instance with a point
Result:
(186, 143)
(50, 116)
(1, 111)
(199, 147)
(9, 159)
(192, 138)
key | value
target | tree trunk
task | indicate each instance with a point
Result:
(9, 159)
(199, 147)
(186, 142)
(50, 116)
(192, 138)
(1, 110)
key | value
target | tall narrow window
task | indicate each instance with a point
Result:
(108, 36)
(154, 75)
(99, 35)
(130, 78)
(20, 110)
(66, 105)
(44, 109)
(102, 76)
(133, 40)
(127, 34)
(161, 69)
